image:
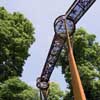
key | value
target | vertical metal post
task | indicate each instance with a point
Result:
(76, 81)
(43, 94)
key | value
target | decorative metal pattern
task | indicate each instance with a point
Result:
(78, 9)
(51, 60)
(59, 26)
(72, 16)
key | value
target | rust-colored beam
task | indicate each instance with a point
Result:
(76, 81)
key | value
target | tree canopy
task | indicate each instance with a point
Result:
(15, 89)
(16, 36)
(87, 56)
(55, 93)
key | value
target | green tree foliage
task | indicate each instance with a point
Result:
(15, 89)
(16, 36)
(87, 56)
(55, 93)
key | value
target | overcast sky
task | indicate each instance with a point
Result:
(42, 14)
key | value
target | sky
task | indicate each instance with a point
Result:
(42, 14)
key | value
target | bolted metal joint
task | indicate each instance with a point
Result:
(42, 84)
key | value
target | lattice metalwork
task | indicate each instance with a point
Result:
(51, 60)
(71, 17)
(78, 9)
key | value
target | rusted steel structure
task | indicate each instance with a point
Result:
(64, 27)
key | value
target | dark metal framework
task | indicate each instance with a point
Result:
(71, 17)
(78, 9)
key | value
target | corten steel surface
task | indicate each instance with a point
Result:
(71, 17)
(76, 81)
